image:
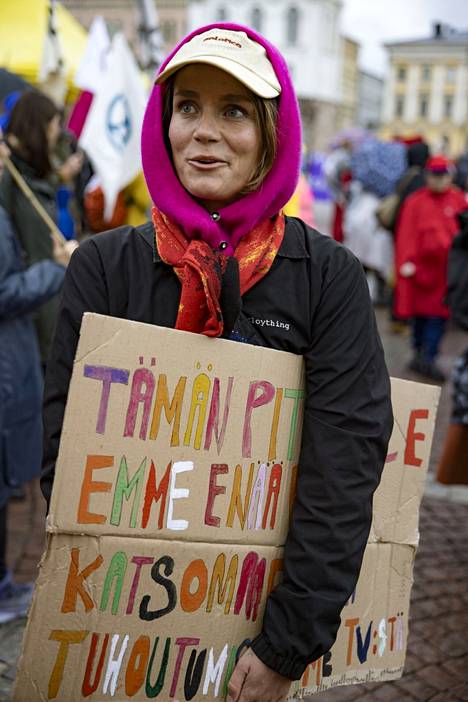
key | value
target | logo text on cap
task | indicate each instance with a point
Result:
(225, 40)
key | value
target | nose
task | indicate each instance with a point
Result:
(207, 129)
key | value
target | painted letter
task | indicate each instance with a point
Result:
(194, 673)
(213, 417)
(213, 490)
(116, 571)
(214, 671)
(267, 393)
(136, 666)
(114, 665)
(200, 394)
(254, 520)
(253, 575)
(412, 436)
(124, 488)
(363, 647)
(89, 485)
(89, 687)
(139, 562)
(154, 493)
(351, 624)
(153, 691)
(182, 643)
(74, 585)
(191, 601)
(274, 425)
(172, 409)
(217, 578)
(142, 378)
(108, 376)
(274, 487)
(235, 504)
(65, 638)
(295, 395)
(177, 494)
(169, 586)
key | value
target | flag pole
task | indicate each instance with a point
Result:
(28, 193)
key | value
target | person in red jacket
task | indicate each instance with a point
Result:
(424, 234)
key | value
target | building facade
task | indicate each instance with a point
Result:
(370, 97)
(426, 92)
(347, 114)
(307, 33)
(123, 15)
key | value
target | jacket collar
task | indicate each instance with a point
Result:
(293, 245)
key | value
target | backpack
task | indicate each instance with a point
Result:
(457, 275)
(387, 211)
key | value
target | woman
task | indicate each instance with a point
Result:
(21, 292)
(32, 134)
(221, 153)
(425, 231)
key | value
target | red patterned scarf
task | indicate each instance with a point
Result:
(200, 269)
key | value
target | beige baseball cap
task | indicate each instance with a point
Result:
(232, 52)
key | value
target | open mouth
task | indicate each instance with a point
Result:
(206, 163)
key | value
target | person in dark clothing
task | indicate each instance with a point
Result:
(414, 177)
(32, 133)
(220, 259)
(21, 292)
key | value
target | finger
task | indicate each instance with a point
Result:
(236, 683)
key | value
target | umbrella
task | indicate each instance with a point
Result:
(353, 135)
(379, 165)
(23, 28)
(11, 83)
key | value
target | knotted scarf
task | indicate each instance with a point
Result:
(201, 270)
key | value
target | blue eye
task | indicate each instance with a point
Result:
(186, 108)
(235, 112)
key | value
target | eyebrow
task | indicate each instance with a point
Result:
(229, 97)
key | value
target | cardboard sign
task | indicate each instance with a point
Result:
(174, 484)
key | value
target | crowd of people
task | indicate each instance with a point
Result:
(401, 228)
(231, 225)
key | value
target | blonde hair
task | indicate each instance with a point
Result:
(266, 114)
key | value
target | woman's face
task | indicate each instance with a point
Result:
(214, 135)
(53, 131)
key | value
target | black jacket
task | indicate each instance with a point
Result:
(315, 302)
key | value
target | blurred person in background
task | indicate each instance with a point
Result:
(337, 169)
(461, 175)
(424, 235)
(453, 466)
(21, 291)
(32, 134)
(368, 240)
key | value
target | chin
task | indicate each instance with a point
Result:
(203, 193)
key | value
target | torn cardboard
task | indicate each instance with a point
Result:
(174, 483)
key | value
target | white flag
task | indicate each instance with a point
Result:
(111, 134)
(92, 66)
(51, 75)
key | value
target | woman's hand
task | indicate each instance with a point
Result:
(71, 167)
(407, 270)
(253, 681)
(62, 251)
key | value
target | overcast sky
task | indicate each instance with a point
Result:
(373, 22)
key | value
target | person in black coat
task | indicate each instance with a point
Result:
(221, 152)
